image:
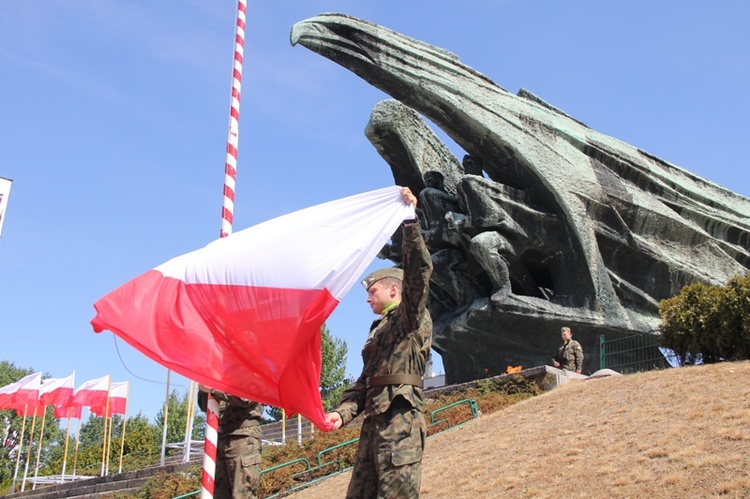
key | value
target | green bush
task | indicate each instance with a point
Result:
(708, 323)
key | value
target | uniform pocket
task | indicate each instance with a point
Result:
(251, 460)
(407, 455)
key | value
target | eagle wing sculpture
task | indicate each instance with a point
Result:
(545, 222)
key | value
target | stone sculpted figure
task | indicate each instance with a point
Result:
(551, 220)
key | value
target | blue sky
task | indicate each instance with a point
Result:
(113, 123)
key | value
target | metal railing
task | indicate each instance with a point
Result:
(336, 465)
(631, 354)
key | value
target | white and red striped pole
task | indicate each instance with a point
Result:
(230, 167)
(209, 448)
(227, 217)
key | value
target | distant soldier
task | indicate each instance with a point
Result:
(389, 390)
(570, 355)
(238, 447)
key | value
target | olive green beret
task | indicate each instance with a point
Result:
(382, 274)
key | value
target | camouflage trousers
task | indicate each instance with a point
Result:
(389, 454)
(238, 465)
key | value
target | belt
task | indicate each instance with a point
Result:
(395, 379)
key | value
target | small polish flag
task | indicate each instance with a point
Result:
(92, 393)
(57, 391)
(23, 393)
(118, 400)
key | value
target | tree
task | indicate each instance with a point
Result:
(708, 323)
(333, 380)
(177, 421)
(138, 448)
(139, 436)
(735, 336)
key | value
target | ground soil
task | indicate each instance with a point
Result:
(674, 433)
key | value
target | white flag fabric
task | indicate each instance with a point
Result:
(4, 194)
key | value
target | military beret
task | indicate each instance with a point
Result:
(382, 274)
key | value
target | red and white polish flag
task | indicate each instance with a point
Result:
(22, 394)
(118, 400)
(243, 315)
(57, 391)
(92, 393)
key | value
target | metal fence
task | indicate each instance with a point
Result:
(631, 354)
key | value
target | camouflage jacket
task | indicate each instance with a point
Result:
(237, 416)
(570, 356)
(399, 341)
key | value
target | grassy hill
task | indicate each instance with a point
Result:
(674, 433)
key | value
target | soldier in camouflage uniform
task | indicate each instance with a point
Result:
(389, 390)
(238, 447)
(570, 354)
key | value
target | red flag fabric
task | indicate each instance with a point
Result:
(243, 315)
(118, 400)
(57, 391)
(92, 393)
(68, 411)
(21, 394)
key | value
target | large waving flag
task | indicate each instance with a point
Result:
(22, 394)
(243, 314)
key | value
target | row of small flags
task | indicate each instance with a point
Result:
(31, 393)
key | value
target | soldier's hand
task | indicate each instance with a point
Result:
(204, 388)
(335, 419)
(409, 197)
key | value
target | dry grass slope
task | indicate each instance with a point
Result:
(675, 433)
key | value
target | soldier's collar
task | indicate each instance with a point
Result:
(387, 308)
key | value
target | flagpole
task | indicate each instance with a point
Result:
(299, 429)
(65, 452)
(67, 428)
(164, 423)
(106, 411)
(192, 395)
(283, 426)
(39, 449)
(78, 441)
(227, 217)
(20, 446)
(230, 166)
(109, 443)
(124, 421)
(28, 453)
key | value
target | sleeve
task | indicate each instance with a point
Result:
(352, 400)
(417, 271)
(578, 352)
